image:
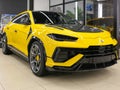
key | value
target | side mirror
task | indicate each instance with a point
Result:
(27, 22)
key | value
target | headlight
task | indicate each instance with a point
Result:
(59, 37)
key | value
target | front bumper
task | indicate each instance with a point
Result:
(90, 63)
(75, 59)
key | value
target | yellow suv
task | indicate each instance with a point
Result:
(53, 41)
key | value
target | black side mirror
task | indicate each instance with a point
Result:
(26, 21)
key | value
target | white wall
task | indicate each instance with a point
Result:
(41, 5)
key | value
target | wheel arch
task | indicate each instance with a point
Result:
(33, 39)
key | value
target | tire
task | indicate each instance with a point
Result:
(5, 48)
(37, 58)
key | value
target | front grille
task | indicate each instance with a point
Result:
(98, 50)
(63, 54)
(96, 60)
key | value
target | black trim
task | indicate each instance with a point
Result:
(29, 33)
(59, 37)
(49, 4)
(32, 40)
(18, 52)
(80, 66)
(84, 12)
(56, 5)
(31, 4)
(63, 6)
(37, 39)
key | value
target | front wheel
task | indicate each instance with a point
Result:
(37, 59)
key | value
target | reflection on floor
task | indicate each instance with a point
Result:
(15, 74)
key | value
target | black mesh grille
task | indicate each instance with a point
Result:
(63, 54)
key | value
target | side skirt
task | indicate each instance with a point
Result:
(18, 53)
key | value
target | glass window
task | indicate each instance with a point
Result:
(52, 18)
(101, 14)
(69, 0)
(80, 12)
(70, 10)
(75, 10)
(56, 18)
(40, 18)
(55, 2)
(21, 19)
(57, 8)
(16, 19)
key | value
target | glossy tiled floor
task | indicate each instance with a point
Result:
(15, 74)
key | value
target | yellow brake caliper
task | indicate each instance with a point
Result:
(37, 57)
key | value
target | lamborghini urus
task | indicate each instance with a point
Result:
(54, 41)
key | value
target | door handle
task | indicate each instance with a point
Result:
(15, 31)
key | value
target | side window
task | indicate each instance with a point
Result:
(17, 19)
(22, 19)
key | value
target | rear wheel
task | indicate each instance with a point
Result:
(5, 48)
(37, 58)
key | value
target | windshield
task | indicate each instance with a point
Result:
(52, 18)
(59, 21)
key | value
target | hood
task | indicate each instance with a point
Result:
(79, 31)
(75, 28)
(75, 31)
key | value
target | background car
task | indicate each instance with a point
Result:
(53, 41)
(106, 23)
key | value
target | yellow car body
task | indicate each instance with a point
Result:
(80, 45)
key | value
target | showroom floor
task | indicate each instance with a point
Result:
(15, 74)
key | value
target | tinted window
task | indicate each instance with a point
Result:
(56, 18)
(53, 18)
(40, 18)
(16, 19)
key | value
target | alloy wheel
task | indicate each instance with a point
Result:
(35, 58)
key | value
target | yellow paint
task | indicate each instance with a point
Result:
(68, 63)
